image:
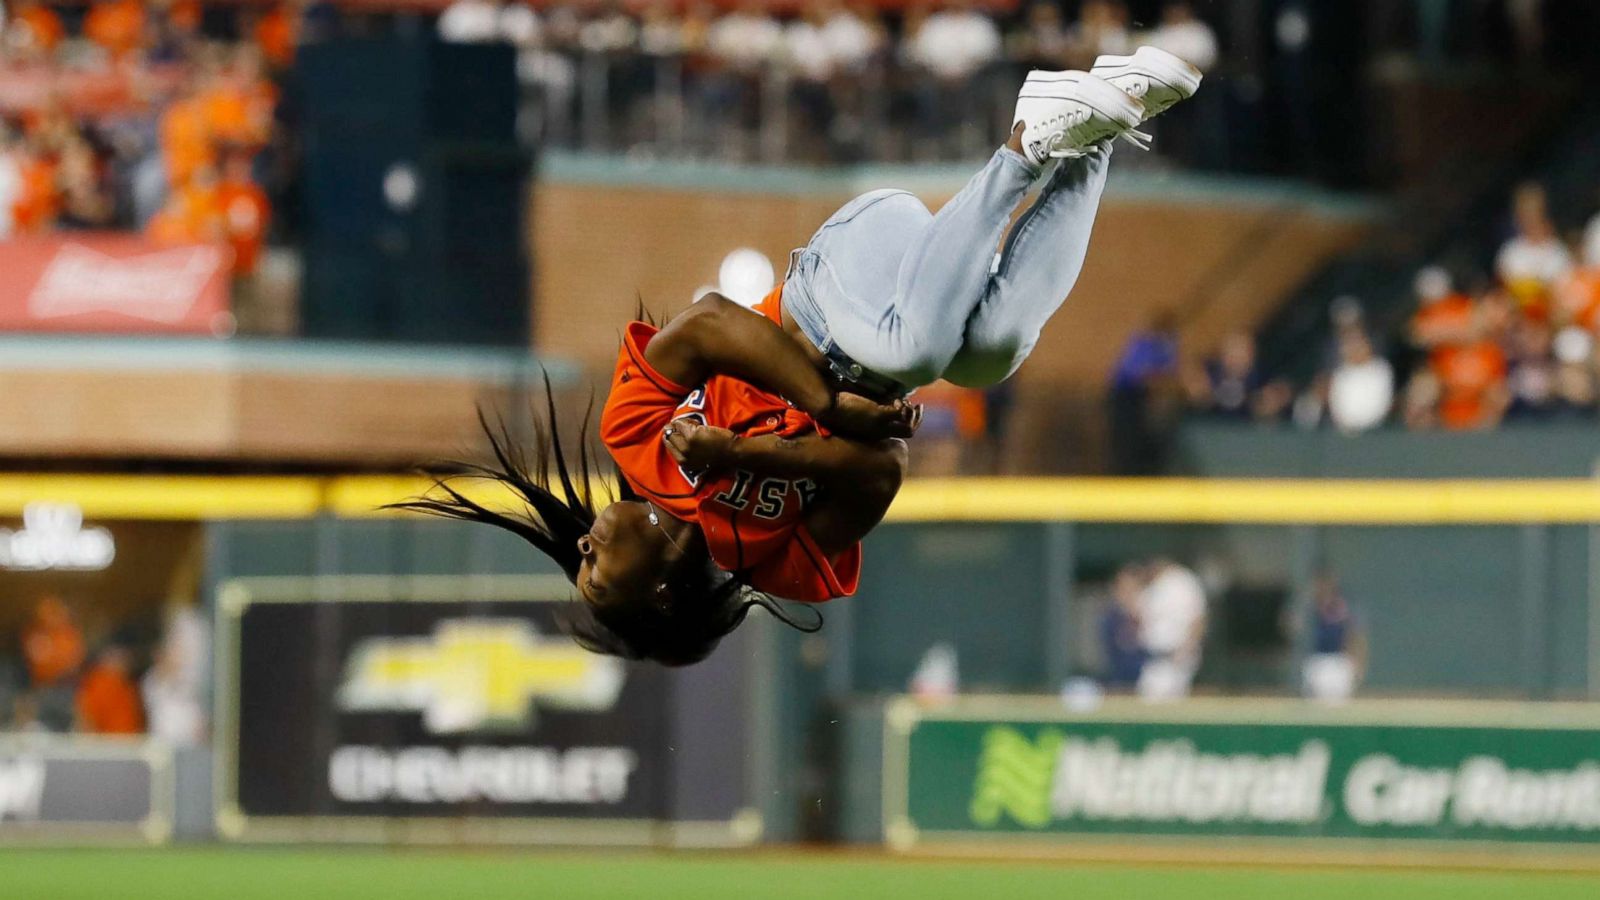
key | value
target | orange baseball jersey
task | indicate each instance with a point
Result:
(753, 525)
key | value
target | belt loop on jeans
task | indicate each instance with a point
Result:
(794, 262)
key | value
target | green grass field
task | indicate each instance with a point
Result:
(262, 874)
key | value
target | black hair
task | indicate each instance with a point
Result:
(706, 603)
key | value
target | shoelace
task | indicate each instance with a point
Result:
(1138, 138)
(1060, 125)
(1133, 136)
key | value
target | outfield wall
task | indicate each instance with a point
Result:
(1478, 589)
(1491, 610)
(1026, 774)
(1531, 450)
(407, 681)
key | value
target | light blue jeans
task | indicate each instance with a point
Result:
(913, 296)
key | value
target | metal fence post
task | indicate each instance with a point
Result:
(669, 107)
(593, 90)
(774, 125)
(1304, 562)
(1060, 572)
(1534, 606)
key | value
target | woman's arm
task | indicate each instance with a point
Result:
(825, 460)
(716, 336)
(849, 511)
(859, 480)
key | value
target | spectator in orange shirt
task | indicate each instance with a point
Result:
(1444, 316)
(277, 33)
(246, 213)
(186, 140)
(108, 699)
(34, 28)
(116, 25)
(228, 115)
(52, 645)
(193, 213)
(238, 102)
(1472, 385)
(38, 203)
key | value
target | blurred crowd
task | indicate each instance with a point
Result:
(165, 116)
(833, 80)
(1519, 346)
(127, 680)
(1354, 391)
(1511, 340)
(159, 114)
(151, 116)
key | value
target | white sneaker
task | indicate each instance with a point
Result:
(1156, 77)
(1067, 113)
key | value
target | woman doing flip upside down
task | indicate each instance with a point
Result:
(756, 451)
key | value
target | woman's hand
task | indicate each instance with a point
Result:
(698, 447)
(855, 416)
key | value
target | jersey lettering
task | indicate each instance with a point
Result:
(770, 497)
(738, 494)
(774, 548)
(808, 492)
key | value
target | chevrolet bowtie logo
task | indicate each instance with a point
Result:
(476, 674)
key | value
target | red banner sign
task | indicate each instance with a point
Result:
(113, 283)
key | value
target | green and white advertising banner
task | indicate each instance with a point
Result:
(1414, 772)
